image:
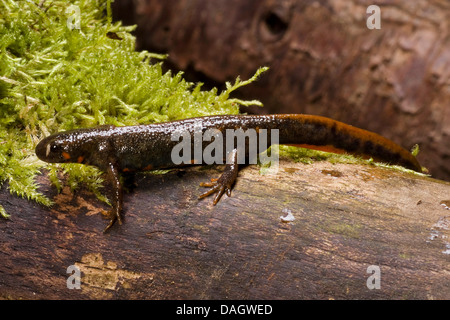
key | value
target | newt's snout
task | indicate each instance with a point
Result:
(43, 149)
(55, 149)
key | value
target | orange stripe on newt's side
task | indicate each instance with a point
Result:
(65, 155)
(149, 167)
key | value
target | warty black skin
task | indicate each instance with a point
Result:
(146, 147)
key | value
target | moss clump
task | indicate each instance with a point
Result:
(56, 75)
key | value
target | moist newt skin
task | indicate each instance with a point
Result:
(145, 147)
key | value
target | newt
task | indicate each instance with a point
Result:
(117, 150)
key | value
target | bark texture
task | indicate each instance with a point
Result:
(174, 246)
(323, 58)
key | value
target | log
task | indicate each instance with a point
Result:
(350, 222)
(323, 60)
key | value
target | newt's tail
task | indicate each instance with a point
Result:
(320, 133)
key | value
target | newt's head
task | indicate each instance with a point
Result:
(58, 147)
(68, 146)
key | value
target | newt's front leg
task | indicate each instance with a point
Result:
(225, 182)
(113, 179)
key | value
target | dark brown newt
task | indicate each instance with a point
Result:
(146, 147)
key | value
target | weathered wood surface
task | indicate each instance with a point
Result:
(323, 59)
(174, 246)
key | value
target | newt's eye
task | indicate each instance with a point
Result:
(47, 150)
(51, 148)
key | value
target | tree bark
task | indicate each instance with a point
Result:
(349, 221)
(323, 59)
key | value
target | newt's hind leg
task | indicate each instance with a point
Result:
(225, 182)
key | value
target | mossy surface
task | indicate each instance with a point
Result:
(65, 65)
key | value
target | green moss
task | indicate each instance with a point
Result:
(347, 230)
(55, 78)
(309, 156)
(304, 155)
(405, 255)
